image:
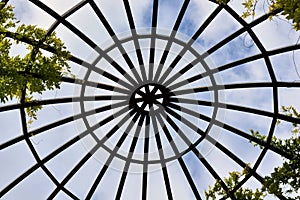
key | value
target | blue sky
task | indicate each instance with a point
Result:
(16, 159)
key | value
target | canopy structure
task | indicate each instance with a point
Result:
(163, 100)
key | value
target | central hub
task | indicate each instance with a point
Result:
(149, 97)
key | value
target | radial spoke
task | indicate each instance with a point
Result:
(45, 160)
(91, 153)
(216, 47)
(135, 39)
(212, 141)
(167, 134)
(230, 129)
(184, 121)
(237, 86)
(229, 66)
(100, 71)
(177, 92)
(188, 45)
(258, 43)
(170, 40)
(239, 32)
(176, 151)
(259, 160)
(48, 158)
(87, 40)
(152, 44)
(200, 157)
(95, 85)
(30, 145)
(68, 120)
(232, 156)
(130, 155)
(64, 100)
(189, 178)
(239, 108)
(115, 39)
(212, 172)
(146, 157)
(76, 99)
(161, 156)
(112, 155)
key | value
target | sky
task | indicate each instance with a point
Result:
(272, 34)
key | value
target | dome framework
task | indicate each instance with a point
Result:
(143, 116)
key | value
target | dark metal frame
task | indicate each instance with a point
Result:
(157, 120)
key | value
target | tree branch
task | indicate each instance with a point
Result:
(22, 38)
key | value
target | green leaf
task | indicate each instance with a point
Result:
(35, 72)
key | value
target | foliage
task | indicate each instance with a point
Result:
(290, 9)
(232, 181)
(292, 112)
(38, 70)
(249, 6)
(283, 181)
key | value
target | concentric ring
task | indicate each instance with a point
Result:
(130, 102)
